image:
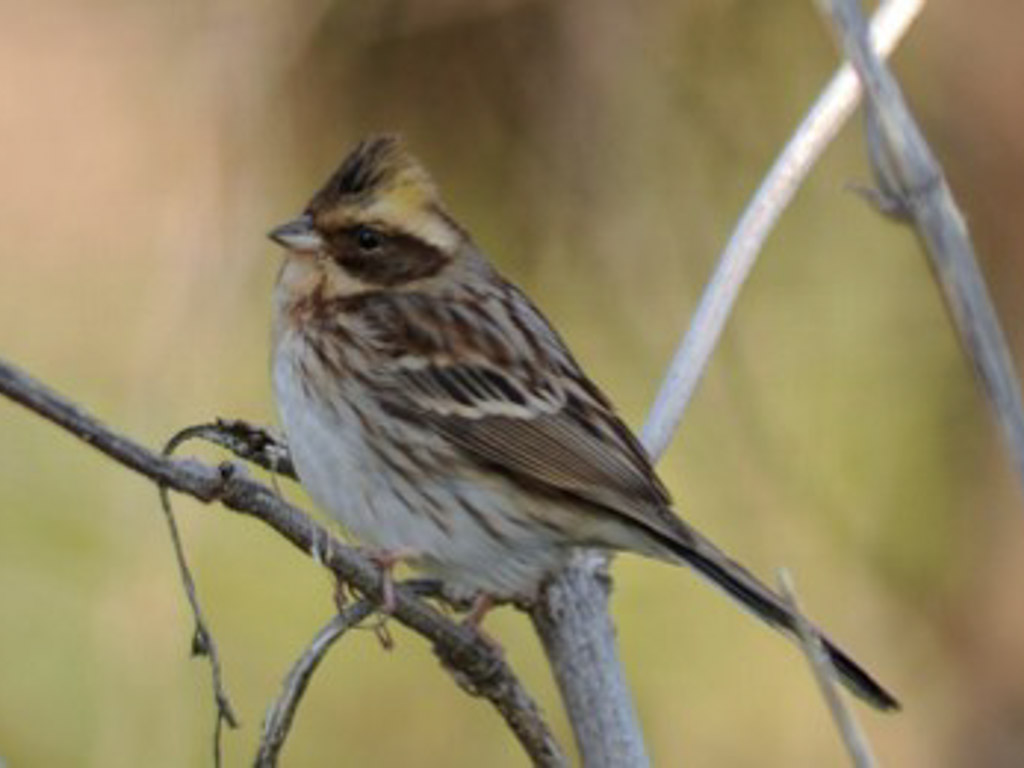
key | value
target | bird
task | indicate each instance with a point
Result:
(435, 413)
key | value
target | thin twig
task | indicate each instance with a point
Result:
(909, 171)
(203, 643)
(247, 441)
(817, 130)
(856, 744)
(279, 717)
(458, 647)
(281, 713)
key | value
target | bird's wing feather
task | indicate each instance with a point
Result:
(538, 419)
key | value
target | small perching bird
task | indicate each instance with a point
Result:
(433, 411)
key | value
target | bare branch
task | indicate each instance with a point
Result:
(574, 625)
(281, 713)
(459, 648)
(856, 744)
(907, 169)
(814, 134)
(252, 444)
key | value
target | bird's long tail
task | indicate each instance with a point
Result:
(707, 559)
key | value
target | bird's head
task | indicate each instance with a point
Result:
(377, 223)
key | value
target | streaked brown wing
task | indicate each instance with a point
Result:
(564, 440)
(488, 372)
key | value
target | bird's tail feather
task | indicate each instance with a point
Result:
(725, 573)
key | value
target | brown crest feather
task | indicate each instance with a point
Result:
(377, 165)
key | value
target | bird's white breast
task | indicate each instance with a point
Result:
(420, 503)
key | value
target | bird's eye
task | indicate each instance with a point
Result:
(368, 239)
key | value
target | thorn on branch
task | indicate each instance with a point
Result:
(891, 206)
(200, 642)
(383, 633)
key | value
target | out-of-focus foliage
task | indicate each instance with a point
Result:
(600, 152)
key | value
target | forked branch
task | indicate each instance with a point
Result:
(279, 717)
(477, 665)
(913, 187)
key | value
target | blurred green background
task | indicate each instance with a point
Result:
(600, 152)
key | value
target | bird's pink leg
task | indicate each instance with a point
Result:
(387, 561)
(482, 605)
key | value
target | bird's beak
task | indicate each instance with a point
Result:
(298, 235)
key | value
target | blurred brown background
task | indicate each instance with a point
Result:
(600, 152)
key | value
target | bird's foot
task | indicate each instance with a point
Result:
(482, 605)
